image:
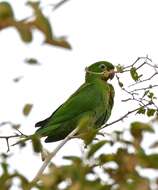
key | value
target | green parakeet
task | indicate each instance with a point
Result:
(91, 104)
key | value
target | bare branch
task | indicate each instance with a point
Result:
(135, 62)
(125, 90)
(124, 116)
(147, 79)
(56, 6)
(135, 95)
(5, 123)
(145, 88)
(154, 66)
(7, 139)
(20, 135)
(52, 154)
(10, 137)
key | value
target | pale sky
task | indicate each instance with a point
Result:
(112, 30)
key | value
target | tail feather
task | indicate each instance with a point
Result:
(42, 123)
(45, 121)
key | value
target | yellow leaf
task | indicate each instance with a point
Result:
(27, 109)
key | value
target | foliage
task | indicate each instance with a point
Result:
(122, 168)
(97, 169)
(27, 109)
(25, 27)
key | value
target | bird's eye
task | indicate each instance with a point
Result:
(102, 66)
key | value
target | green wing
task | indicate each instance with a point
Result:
(87, 98)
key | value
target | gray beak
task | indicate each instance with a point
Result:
(111, 74)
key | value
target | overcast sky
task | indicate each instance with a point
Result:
(116, 31)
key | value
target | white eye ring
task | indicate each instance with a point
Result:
(102, 66)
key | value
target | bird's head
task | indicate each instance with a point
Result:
(102, 70)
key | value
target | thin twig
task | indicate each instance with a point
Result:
(52, 154)
(56, 6)
(137, 100)
(147, 79)
(154, 66)
(21, 134)
(12, 136)
(141, 65)
(145, 88)
(132, 65)
(124, 116)
(7, 139)
(6, 123)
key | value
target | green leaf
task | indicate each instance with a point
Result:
(6, 11)
(134, 74)
(42, 23)
(88, 136)
(7, 20)
(61, 42)
(151, 95)
(17, 79)
(104, 158)
(5, 166)
(94, 148)
(149, 161)
(145, 93)
(27, 109)
(36, 143)
(119, 68)
(120, 84)
(150, 112)
(31, 61)
(141, 110)
(24, 31)
(137, 129)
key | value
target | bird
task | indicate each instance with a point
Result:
(90, 106)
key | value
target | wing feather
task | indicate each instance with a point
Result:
(85, 99)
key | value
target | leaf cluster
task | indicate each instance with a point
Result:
(97, 169)
(26, 26)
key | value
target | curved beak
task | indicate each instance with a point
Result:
(111, 74)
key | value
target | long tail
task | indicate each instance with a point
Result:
(42, 123)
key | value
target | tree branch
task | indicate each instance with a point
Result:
(12, 136)
(7, 139)
(135, 62)
(147, 79)
(52, 154)
(56, 6)
(6, 123)
(124, 116)
(145, 88)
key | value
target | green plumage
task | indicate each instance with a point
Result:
(93, 101)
